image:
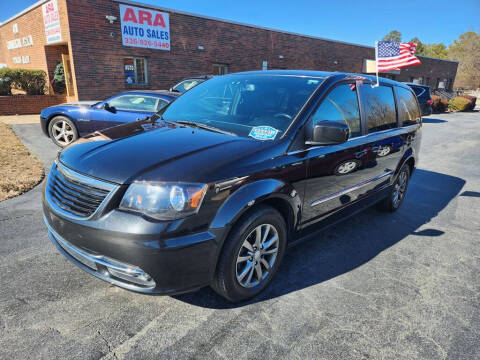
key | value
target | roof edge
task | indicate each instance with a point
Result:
(24, 11)
(136, 3)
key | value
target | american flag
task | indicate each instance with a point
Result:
(392, 55)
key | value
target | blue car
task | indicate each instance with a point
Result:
(67, 122)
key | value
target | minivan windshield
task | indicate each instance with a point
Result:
(260, 106)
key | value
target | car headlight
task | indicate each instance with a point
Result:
(164, 201)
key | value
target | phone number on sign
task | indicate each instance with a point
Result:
(149, 43)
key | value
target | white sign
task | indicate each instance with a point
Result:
(14, 44)
(18, 43)
(27, 41)
(15, 28)
(144, 28)
(51, 20)
(3, 66)
(21, 60)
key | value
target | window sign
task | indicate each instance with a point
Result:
(144, 28)
(129, 70)
(51, 20)
(135, 70)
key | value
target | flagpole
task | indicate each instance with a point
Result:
(376, 61)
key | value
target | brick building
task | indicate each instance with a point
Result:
(109, 46)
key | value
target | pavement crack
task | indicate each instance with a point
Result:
(111, 349)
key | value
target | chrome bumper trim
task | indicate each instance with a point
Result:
(113, 271)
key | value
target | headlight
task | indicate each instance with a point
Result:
(164, 201)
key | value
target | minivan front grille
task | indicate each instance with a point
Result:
(74, 194)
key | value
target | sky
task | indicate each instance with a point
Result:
(355, 21)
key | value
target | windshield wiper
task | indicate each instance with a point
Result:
(203, 126)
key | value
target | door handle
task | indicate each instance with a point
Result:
(360, 153)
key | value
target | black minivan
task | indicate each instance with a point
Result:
(213, 189)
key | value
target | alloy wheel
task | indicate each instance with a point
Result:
(63, 132)
(399, 188)
(257, 255)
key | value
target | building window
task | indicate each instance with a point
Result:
(135, 71)
(220, 69)
(418, 80)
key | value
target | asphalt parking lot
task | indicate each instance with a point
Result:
(378, 286)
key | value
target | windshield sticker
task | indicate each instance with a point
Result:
(263, 133)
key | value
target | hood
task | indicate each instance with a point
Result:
(157, 151)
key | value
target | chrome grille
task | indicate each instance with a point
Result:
(74, 194)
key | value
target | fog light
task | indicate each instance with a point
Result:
(137, 277)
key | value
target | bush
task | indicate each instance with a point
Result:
(439, 104)
(5, 82)
(459, 104)
(31, 81)
(59, 79)
(471, 99)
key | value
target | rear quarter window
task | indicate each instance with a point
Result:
(408, 111)
(419, 91)
(379, 104)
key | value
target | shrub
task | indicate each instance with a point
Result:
(439, 104)
(459, 104)
(31, 81)
(471, 99)
(5, 82)
(59, 79)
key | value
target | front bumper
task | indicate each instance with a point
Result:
(43, 125)
(122, 249)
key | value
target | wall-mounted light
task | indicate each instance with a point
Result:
(280, 56)
(200, 47)
(111, 18)
(335, 62)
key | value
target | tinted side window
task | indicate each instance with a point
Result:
(341, 104)
(418, 90)
(161, 104)
(134, 103)
(187, 85)
(408, 111)
(379, 108)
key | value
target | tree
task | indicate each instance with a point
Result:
(436, 50)
(393, 35)
(466, 50)
(420, 50)
(439, 50)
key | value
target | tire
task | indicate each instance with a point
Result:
(231, 281)
(62, 131)
(393, 201)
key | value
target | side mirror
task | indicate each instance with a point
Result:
(327, 133)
